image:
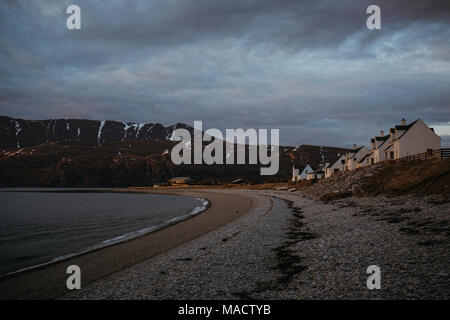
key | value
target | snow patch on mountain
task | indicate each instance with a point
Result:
(139, 128)
(173, 137)
(18, 129)
(99, 134)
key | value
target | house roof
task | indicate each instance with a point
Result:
(407, 127)
(338, 158)
(302, 167)
(365, 157)
(355, 151)
(387, 138)
(316, 155)
(383, 138)
(402, 128)
(299, 164)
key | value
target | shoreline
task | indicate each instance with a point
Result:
(289, 246)
(112, 241)
(48, 280)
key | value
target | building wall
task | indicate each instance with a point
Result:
(418, 139)
(396, 149)
(295, 173)
(312, 176)
(361, 164)
(352, 162)
(370, 159)
(306, 170)
(337, 165)
(379, 152)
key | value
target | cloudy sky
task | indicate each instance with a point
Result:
(310, 68)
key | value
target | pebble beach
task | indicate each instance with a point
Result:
(290, 246)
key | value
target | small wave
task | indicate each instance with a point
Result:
(147, 230)
(122, 238)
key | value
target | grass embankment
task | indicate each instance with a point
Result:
(417, 177)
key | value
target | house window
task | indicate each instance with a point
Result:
(391, 154)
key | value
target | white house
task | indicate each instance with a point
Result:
(378, 146)
(411, 139)
(316, 174)
(353, 157)
(300, 172)
(337, 166)
(364, 161)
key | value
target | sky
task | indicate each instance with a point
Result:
(311, 69)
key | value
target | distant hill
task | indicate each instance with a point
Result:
(314, 155)
(90, 153)
(116, 164)
(19, 133)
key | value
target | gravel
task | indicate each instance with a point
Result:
(293, 247)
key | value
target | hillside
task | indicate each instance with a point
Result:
(421, 177)
(416, 177)
(314, 155)
(92, 153)
(117, 164)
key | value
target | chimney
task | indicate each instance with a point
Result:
(403, 122)
(381, 133)
(354, 146)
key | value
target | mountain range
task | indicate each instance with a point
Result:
(19, 133)
(90, 153)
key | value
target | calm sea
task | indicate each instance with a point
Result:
(37, 227)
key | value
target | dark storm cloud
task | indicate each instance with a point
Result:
(310, 68)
